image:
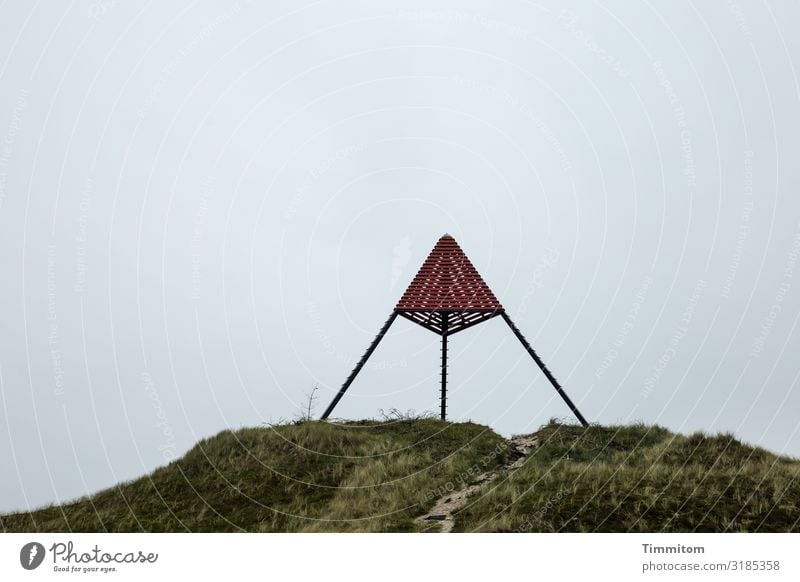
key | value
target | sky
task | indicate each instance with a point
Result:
(209, 208)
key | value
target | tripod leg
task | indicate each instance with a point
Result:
(359, 365)
(544, 369)
(444, 368)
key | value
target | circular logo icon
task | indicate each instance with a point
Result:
(31, 555)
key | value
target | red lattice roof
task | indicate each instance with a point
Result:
(447, 281)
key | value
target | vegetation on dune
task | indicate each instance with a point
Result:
(309, 476)
(380, 476)
(642, 479)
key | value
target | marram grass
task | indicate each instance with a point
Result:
(378, 476)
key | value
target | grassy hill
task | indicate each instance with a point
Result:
(641, 479)
(380, 476)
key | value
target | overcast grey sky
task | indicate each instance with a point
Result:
(206, 208)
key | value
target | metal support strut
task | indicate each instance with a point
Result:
(359, 365)
(544, 369)
(444, 366)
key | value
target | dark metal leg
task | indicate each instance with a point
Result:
(359, 365)
(444, 366)
(544, 369)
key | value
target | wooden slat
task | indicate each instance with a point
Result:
(447, 281)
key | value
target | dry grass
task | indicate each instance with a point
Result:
(379, 476)
(310, 476)
(642, 479)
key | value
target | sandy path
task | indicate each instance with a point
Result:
(442, 517)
